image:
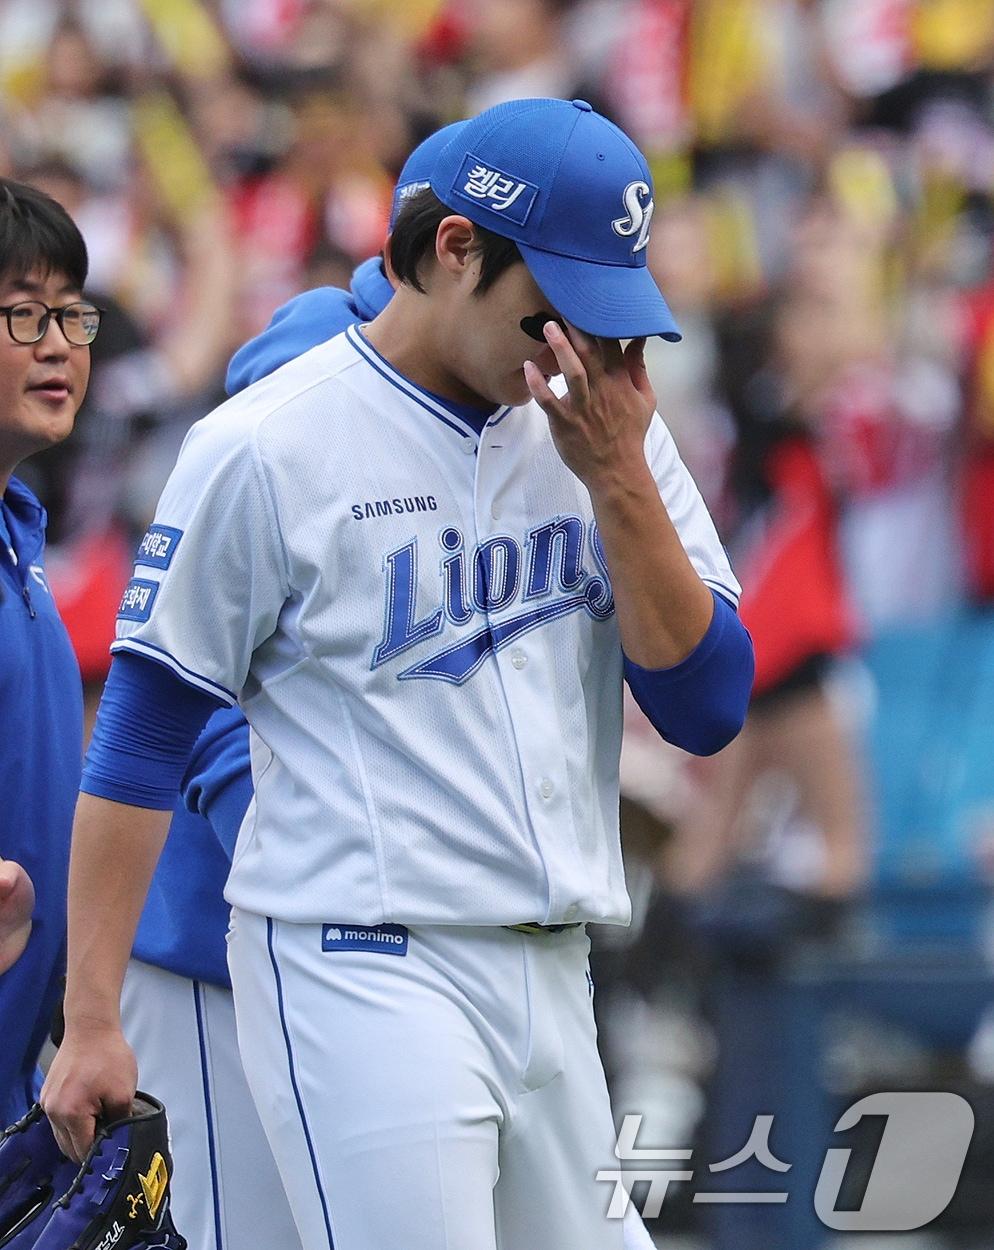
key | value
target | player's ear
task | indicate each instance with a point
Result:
(455, 245)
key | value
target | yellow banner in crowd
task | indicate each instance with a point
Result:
(171, 155)
(188, 35)
(953, 34)
(727, 62)
(408, 18)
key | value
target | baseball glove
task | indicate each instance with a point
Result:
(33, 1174)
(117, 1200)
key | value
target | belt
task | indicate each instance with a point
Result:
(542, 928)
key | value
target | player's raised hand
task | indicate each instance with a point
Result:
(93, 1076)
(599, 425)
(17, 900)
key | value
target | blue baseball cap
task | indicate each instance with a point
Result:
(575, 194)
(416, 174)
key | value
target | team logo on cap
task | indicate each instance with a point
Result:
(496, 190)
(638, 201)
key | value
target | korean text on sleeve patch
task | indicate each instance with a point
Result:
(137, 600)
(158, 546)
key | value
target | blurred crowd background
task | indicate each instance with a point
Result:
(812, 913)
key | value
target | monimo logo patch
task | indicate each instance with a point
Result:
(385, 939)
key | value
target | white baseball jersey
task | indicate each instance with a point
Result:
(418, 624)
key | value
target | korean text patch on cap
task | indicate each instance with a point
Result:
(575, 194)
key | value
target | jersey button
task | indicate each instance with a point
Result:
(545, 788)
(519, 659)
(468, 446)
(571, 912)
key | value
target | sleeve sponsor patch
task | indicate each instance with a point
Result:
(158, 546)
(137, 600)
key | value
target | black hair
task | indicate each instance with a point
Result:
(413, 242)
(38, 235)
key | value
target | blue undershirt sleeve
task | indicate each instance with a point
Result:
(147, 723)
(700, 704)
(218, 781)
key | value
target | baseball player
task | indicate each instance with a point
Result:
(177, 1012)
(45, 331)
(423, 573)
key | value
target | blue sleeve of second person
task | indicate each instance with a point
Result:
(185, 917)
(218, 781)
(296, 327)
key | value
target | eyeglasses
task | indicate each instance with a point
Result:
(28, 321)
(534, 325)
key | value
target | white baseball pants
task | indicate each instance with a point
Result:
(449, 1097)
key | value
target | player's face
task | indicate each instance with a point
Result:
(41, 384)
(496, 351)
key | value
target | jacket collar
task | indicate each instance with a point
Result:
(26, 520)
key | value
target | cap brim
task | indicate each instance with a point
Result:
(609, 301)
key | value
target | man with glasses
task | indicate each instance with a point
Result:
(45, 335)
(28, 321)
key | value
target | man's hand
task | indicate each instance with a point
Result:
(17, 900)
(114, 849)
(599, 426)
(93, 1076)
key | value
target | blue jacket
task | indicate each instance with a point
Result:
(308, 320)
(41, 706)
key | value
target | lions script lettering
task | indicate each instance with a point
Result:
(547, 571)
